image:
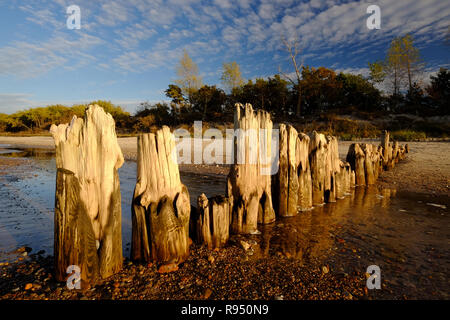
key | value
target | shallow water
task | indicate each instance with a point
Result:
(404, 234)
(27, 196)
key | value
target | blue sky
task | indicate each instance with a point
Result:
(126, 51)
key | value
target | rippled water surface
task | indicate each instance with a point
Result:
(408, 236)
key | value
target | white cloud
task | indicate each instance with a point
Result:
(29, 59)
(132, 35)
(11, 102)
(113, 13)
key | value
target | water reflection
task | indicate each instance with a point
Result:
(27, 196)
(312, 233)
(27, 153)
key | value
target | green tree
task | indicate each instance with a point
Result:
(410, 59)
(415, 99)
(152, 114)
(175, 93)
(188, 78)
(358, 92)
(320, 88)
(231, 76)
(439, 90)
(278, 95)
(208, 100)
(377, 73)
(394, 66)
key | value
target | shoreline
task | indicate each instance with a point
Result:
(425, 170)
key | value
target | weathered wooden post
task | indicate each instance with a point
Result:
(213, 221)
(356, 158)
(161, 204)
(281, 191)
(292, 200)
(249, 180)
(332, 166)
(343, 180)
(395, 152)
(370, 157)
(87, 204)
(304, 173)
(385, 145)
(318, 155)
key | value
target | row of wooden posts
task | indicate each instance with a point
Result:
(88, 200)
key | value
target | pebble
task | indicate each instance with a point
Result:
(166, 268)
(245, 245)
(207, 293)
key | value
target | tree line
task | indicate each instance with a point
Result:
(307, 95)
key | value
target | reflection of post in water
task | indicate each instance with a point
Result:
(266, 235)
(311, 234)
(387, 194)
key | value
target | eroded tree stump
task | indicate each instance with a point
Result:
(356, 158)
(368, 160)
(343, 180)
(292, 187)
(88, 203)
(161, 204)
(283, 172)
(332, 166)
(213, 221)
(304, 173)
(318, 162)
(249, 180)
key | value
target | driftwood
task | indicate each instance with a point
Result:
(213, 221)
(249, 180)
(161, 204)
(88, 202)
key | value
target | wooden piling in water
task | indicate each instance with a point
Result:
(88, 202)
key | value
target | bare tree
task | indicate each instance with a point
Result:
(292, 47)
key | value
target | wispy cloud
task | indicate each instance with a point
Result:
(29, 59)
